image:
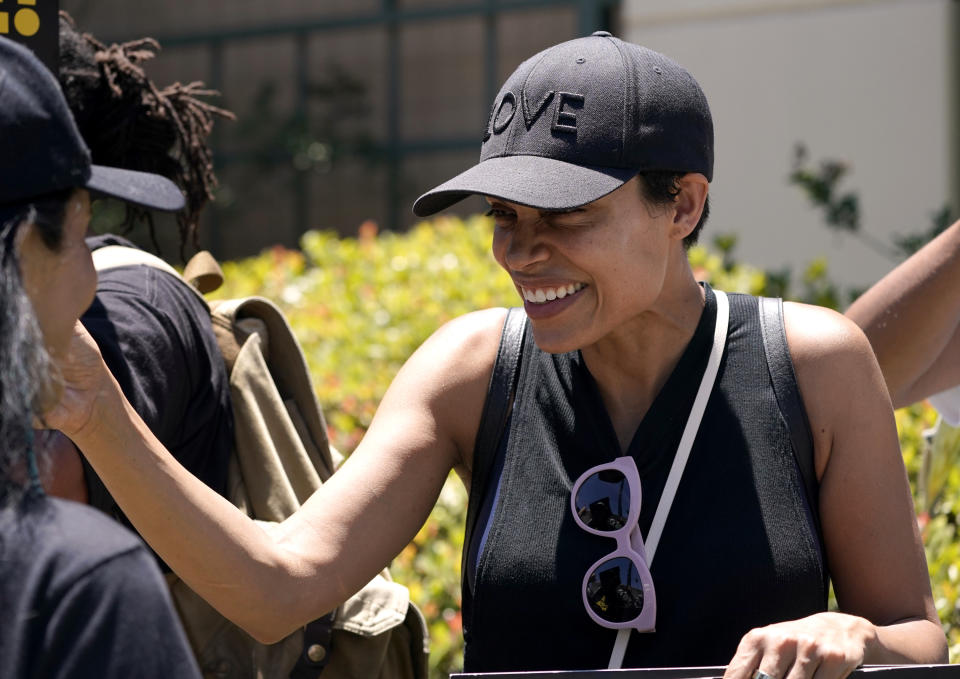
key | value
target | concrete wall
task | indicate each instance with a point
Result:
(866, 81)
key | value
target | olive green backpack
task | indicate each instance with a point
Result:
(281, 455)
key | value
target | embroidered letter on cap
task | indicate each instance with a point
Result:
(565, 121)
(500, 125)
(486, 130)
(531, 119)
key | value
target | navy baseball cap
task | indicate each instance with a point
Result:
(41, 150)
(579, 119)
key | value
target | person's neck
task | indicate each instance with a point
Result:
(631, 365)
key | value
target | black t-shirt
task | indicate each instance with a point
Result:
(81, 597)
(155, 336)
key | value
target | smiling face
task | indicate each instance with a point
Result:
(592, 271)
(60, 283)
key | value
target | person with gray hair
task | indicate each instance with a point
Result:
(80, 595)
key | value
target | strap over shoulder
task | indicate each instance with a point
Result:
(496, 413)
(788, 397)
(203, 272)
(115, 256)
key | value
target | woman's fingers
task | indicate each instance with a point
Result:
(806, 660)
(747, 659)
(822, 646)
(763, 653)
(834, 657)
(82, 374)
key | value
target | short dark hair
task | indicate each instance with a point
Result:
(660, 188)
(25, 381)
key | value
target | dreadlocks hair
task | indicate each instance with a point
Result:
(127, 121)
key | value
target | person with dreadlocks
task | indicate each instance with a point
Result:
(127, 120)
(80, 595)
(154, 333)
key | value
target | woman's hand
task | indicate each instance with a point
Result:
(825, 645)
(83, 378)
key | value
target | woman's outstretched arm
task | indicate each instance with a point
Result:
(351, 528)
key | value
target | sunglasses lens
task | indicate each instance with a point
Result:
(615, 591)
(603, 500)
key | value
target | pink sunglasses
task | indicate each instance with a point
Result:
(618, 589)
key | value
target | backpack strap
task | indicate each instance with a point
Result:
(788, 397)
(275, 406)
(115, 256)
(203, 272)
(496, 413)
(317, 643)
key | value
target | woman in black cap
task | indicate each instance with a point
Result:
(81, 596)
(668, 459)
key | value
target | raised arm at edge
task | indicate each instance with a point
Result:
(912, 319)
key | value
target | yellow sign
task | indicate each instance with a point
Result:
(36, 24)
(26, 21)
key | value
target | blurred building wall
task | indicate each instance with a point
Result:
(870, 82)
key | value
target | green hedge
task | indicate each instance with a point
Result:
(361, 305)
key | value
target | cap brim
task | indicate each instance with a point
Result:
(142, 188)
(543, 183)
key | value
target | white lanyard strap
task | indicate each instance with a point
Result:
(693, 425)
(683, 454)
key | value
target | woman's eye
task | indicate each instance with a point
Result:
(571, 219)
(499, 214)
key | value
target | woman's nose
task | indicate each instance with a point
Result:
(525, 245)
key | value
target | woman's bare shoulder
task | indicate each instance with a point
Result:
(471, 329)
(831, 354)
(838, 376)
(448, 377)
(816, 333)
(462, 350)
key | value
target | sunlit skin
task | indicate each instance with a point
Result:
(912, 317)
(60, 284)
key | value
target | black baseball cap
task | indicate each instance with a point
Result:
(579, 119)
(41, 150)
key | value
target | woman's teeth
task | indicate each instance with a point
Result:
(541, 295)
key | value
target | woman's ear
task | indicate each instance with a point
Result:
(688, 206)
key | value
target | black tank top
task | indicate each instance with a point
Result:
(739, 549)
